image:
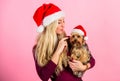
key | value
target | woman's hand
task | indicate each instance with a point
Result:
(77, 66)
(61, 46)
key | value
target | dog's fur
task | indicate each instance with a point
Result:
(79, 51)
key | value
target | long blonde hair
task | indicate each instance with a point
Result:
(46, 45)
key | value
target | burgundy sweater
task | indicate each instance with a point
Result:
(48, 71)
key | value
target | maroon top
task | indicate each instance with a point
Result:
(48, 70)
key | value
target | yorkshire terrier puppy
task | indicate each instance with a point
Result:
(79, 51)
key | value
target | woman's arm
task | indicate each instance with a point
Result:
(46, 71)
(61, 46)
(91, 63)
(78, 66)
(92, 60)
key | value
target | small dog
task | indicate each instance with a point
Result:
(79, 50)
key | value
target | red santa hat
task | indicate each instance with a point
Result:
(46, 14)
(81, 31)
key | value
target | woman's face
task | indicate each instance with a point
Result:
(60, 27)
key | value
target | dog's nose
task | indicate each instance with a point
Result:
(75, 40)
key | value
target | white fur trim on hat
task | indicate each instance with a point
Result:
(50, 18)
(78, 31)
(40, 28)
(85, 38)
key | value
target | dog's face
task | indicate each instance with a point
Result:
(76, 40)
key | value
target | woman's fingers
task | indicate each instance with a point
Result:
(64, 39)
(61, 46)
(72, 66)
(76, 65)
(63, 42)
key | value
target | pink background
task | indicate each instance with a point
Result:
(101, 19)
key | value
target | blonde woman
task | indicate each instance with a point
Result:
(50, 51)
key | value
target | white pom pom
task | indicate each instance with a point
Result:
(40, 28)
(85, 38)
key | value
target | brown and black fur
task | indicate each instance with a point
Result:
(79, 51)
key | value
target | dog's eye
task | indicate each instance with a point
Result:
(73, 36)
(78, 36)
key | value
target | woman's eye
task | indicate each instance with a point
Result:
(59, 22)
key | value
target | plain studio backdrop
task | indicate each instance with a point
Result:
(100, 18)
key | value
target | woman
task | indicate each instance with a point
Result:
(49, 47)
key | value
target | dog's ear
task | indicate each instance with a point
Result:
(68, 41)
(83, 41)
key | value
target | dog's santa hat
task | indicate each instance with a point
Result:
(46, 14)
(81, 31)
